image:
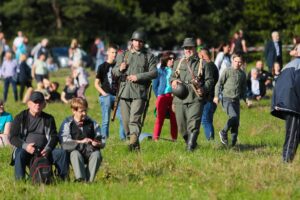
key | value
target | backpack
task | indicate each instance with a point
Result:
(40, 170)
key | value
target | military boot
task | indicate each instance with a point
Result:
(192, 142)
(134, 144)
(185, 137)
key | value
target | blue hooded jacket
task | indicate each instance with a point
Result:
(286, 94)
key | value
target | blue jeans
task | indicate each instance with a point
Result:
(58, 157)
(106, 104)
(7, 81)
(207, 119)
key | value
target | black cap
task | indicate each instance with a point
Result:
(37, 97)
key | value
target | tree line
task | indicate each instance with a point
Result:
(166, 22)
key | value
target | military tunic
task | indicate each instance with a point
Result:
(188, 111)
(134, 94)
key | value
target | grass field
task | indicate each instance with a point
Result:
(164, 170)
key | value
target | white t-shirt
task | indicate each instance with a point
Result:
(255, 86)
(222, 62)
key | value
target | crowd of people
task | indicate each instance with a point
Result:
(187, 89)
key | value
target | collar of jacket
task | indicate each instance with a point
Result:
(138, 52)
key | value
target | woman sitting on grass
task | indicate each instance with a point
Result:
(5, 124)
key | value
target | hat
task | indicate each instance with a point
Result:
(138, 35)
(37, 97)
(189, 42)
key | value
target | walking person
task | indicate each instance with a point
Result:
(25, 78)
(80, 77)
(286, 106)
(209, 107)
(136, 68)
(39, 70)
(163, 91)
(233, 86)
(189, 73)
(223, 60)
(9, 73)
(106, 84)
(75, 54)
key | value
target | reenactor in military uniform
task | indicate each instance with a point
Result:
(136, 68)
(191, 82)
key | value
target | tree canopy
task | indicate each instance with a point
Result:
(166, 22)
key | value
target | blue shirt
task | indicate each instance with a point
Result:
(161, 85)
(4, 118)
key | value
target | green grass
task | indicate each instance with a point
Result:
(164, 170)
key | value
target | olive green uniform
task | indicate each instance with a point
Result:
(134, 94)
(189, 110)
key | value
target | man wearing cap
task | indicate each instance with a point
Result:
(136, 68)
(34, 130)
(188, 109)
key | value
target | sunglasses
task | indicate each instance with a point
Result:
(171, 58)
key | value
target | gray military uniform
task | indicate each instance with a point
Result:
(188, 111)
(134, 94)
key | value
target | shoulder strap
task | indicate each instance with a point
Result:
(146, 62)
(177, 71)
(200, 68)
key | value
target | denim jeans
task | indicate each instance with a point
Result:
(106, 104)
(58, 157)
(7, 81)
(207, 119)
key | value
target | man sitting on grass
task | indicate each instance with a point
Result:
(33, 129)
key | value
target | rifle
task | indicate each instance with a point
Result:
(116, 102)
(119, 93)
(146, 105)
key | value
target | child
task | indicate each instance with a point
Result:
(54, 95)
(80, 78)
(70, 90)
(276, 70)
(232, 85)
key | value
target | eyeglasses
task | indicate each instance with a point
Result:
(171, 58)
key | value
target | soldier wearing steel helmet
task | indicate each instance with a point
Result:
(136, 68)
(198, 81)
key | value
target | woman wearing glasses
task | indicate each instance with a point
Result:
(163, 92)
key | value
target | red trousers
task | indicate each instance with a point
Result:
(164, 105)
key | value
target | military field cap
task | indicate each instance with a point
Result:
(37, 97)
(138, 35)
(189, 42)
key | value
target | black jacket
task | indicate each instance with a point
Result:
(18, 132)
(25, 73)
(270, 54)
(286, 93)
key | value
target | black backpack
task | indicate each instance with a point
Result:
(40, 170)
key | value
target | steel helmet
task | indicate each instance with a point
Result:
(138, 35)
(181, 91)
